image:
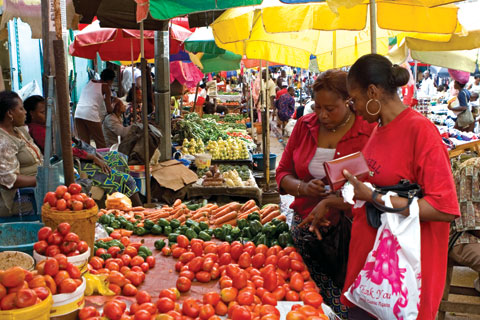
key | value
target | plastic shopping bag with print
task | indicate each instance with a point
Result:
(389, 284)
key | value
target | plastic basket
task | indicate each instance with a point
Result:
(203, 160)
(80, 260)
(9, 259)
(19, 236)
(39, 311)
(66, 305)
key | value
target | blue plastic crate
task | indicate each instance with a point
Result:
(19, 236)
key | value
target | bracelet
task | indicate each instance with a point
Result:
(298, 188)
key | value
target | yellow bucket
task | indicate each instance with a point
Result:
(39, 311)
(66, 305)
(203, 160)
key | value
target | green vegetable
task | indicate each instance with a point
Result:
(137, 216)
(129, 226)
(196, 228)
(148, 224)
(156, 229)
(255, 226)
(115, 243)
(203, 225)
(235, 233)
(283, 239)
(115, 224)
(219, 233)
(144, 250)
(159, 244)
(193, 207)
(174, 223)
(105, 220)
(254, 216)
(227, 227)
(242, 223)
(246, 232)
(105, 256)
(273, 242)
(204, 236)
(143, 255)
(228, 238)
(282, 227)
(162, 222)
(183, 229)
(109, 229)
(191, 234)
(101, 244)
(209, 231)
(190, 223)
(140, 231)
(172, 237)
(262, 239)
(275, 221)
(167, 230)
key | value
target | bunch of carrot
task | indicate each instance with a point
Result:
(269, 212)
(231, 212)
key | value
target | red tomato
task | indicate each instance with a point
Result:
(25, 298)
(206, 311)
(51, 199)
(272, 259)
(284, 263)
(182, 241)
(239, 279)
(60, 276)
(292, 296)
(186, 257)
(269, 298)
(61, 205)
(203, 276)
(68, 247)
(88, 312)
(168, 293)
(225, 259)
(60, 191)
(258, 260)
(115, 288)
(236, 251)
(296, 281)
(44, 233)
(187, 274)
(51, 267)
(279, 293)
(190, 308)
(90, 203)
(296, 315)
(195, 265)
(241, 313)
(261, 248)
(74, 188)
(40, 247)
(224, 247)
(52, 250)
(183, 284)
(211, 298)
(131, 251)
(197, 248)
(145, 267)
(136, 261)
(151, 261)
(215, 272)
(211, 248)
(165, 304)
(77, 205)
(8, 302)
(135, 277)
(113, 310)
(129, 290)
(245, 298)
(245, 260)
(113, 251)
(55, 238)
(82, 246)
(313, 298)
(297, 265)
(67, 286)
(269, 278)
(96, 262)
(78, 197)
(71, 237)
(208, 264)
(177, 251)
(228, 294)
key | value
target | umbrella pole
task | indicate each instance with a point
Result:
(196, 96)
(266, 154)
(134, 90)
(373, 26)
(251, 111)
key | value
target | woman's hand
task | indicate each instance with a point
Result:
(362, 192)
(313, 188)
(99, 162)
(317, 219)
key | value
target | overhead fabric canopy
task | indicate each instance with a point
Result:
(30, 11)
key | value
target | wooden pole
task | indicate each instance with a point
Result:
(134, 93)
(254, 133)
(266, 154)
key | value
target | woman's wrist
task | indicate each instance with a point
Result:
(299, 188)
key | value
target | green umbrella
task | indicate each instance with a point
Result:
(167, 9)
(202, 40)
(220, 62)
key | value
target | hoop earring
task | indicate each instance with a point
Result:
(379, 109)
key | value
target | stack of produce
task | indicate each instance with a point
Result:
(212, 177)
(68, 199)
(50, 243)
(243, 171)
(193, 146)
(230, 149)
(193, 127)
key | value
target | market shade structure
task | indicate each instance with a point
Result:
(111, 43)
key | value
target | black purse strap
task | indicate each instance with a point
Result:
(404, 189)
(383, 208)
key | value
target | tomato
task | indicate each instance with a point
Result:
(90, 203)
(211, 298)
(73, 271)
(211, 248)
(296, 281)
(240, 279)
(245, 260)
(52, 250)
(68, 286)
(208, 264)
(269, 298)
(258, 260)
(135, 277)
(61, 205)
(186, 257)
(63, 228)
(67, 196)
(44, 233)
(41, 292)
(114, 250)
(215, 273)
(60, 276)
(71, 237)
(115, 288)
(77, 197)
(225, 259)
(187, 274)
(88, 312)
(284, 263)
(137, 261)
(245, 298)
(96, 262)
(40, 247)
(51, 267)
(269, 278)
(145, 267)
(203, 276)
(8, 302)
(168, 293)
(197, 248)
(297, 265)
(241, 313)
(183, 284)
(74, 188)
(195, 265)
(165, 304)
(182, 241)
(25, 298)
(178, 251)
(55, 238)
(292, 296)
(51, 285)
(113, 310)
(236, 251)
(117, 278)
(51, 199)
(131, 251)
(269, 309)
(142, 315)
(206, 311)
(272, 259)
(313, 298)
(190, 308)
(228, 294)
(224, 247)
(279, 293)
(261, 248)
(151, 261)
(68, 247)
(295, 315)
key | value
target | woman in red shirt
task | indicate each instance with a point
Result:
(405, 145)
(331, 132)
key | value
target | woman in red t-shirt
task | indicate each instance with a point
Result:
(333, 131)
(405, 145)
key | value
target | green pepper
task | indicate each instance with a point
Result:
(204, 236)
(242, 223)
(254, 216)
(262, 239)
(105, 256)
(209, 231)
(228, 238)
(283, 239)
(193, 207)
(174, 223)
(219, 233)
(148, 224)
(246, 232)
(275, 221)
(101, 244)
(137, 216)
(105, 219)
(190, 223)
(115, 224)
(255, 226)
(191, 234)
(95, 248)
(162, 222)
(128, 226)
(282, 227)
(144, 250)
(167, 230)
(140, 231)
(203, 225)
(159, 244)
(115, 243)
(143, 255)
(109, 229)
(122, 221)
(235, 233)
(273, 242)
(172, 237)
(196, 228)
(156, 230)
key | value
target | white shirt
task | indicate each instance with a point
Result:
(427, 89)
(475, 88)
(91, 105)
(127, 77)
(316, 164)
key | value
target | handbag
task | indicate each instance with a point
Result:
(355, 163)
(403, 189)
(465, 118)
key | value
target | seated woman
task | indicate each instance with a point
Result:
(113, 124)
(129, 112)
(19, 156)
(108, 171)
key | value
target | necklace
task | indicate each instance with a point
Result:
(342, 124)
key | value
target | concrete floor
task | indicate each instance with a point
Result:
(462, 276)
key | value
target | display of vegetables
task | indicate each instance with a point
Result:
(69, 198)
(193, 146)
(194, 127)
(230, 149)
(243, 171)
(50, 243)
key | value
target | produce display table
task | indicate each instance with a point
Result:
(459, 149)
(245, 192)
(228, 97)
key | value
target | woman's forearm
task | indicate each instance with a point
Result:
(291, 185)
(25, 182)
(334, 202)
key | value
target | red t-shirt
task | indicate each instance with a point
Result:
(301, 148)
(281, 92)
(410, 147)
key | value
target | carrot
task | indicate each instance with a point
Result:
(226, 217)
(232, 222)
(242, 216)
(140, 224)
(282, 217)
(126, 233)
(251, 210)
(223, 207)
(182, 219)
(212, 206)
(177, 203)
(234, 206)
(198, 215)
(266, 210)
(248, 205)
(270, 216)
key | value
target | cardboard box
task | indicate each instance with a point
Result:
(173, 175)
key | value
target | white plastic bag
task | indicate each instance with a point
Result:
(389, 284)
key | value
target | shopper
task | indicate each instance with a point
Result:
(113, 124)
(475, 85)
(285, 107)
(463, 99)
(427, 87)
(19, 156)
(36, 119)
(332, 131)
(405, 145)
(96, 98)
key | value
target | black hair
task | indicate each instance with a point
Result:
(477, 76)
(30, 104)
(130, 95)
(107, 75)
(7, 102)
(378, 70)
(461, 85)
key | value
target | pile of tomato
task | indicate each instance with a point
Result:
(60, 275)
(125, 268)
(69, 198)
(50, 243)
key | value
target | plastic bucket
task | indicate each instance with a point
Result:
(82, 222)
(66, 305)
(19, 236)
(203, 160)
(80, 260)
(258, 126)
(9, 259)
(39, 311)
(258, 161)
